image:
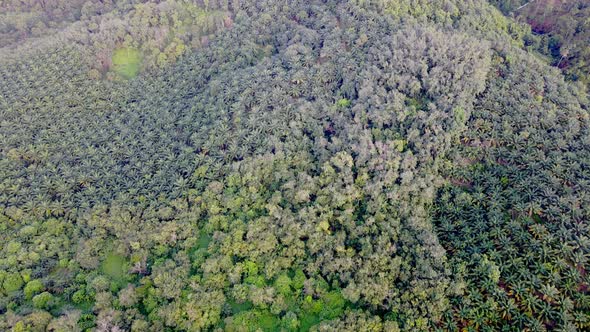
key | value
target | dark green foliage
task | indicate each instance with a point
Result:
(518, 237)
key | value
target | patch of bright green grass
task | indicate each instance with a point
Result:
(115, 266)
(254, 320)
(126, 62)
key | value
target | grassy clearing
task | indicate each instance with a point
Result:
(126, 62)
(115, 266)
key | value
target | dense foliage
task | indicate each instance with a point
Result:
(288, 166)
(563, 31)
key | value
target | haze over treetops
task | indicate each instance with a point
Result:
(317, 165)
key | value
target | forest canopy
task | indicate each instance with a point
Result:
(323, 165)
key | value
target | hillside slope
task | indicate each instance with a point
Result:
(293, 166)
